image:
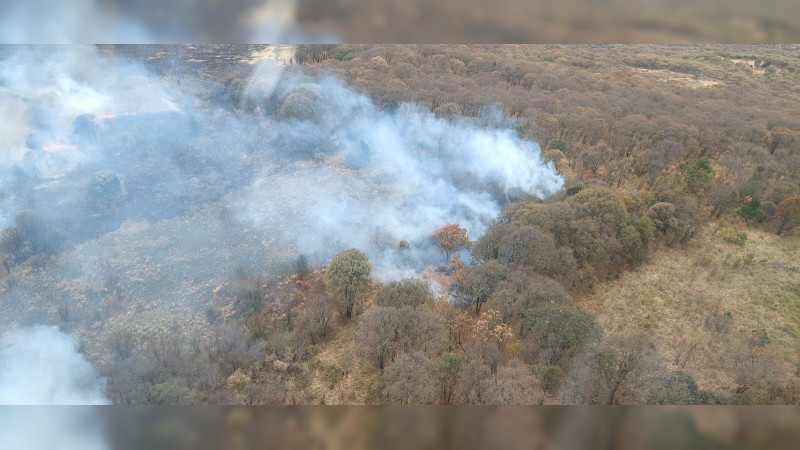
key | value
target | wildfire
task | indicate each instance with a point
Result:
(114, 115)
(57, 147)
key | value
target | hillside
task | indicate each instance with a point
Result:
(410, 224)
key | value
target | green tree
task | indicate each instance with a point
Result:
(558, 144)
(347, 277)
(559, 330)
(410, 291)
(698, 175)
(446, 371)
(603, 205)
(751, 210)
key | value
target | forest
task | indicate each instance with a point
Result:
(402, 224)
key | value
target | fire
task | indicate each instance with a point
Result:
(114, 115)
(57, 147)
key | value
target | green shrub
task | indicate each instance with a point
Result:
(550, 375)
(751, 210)
(739, 239)
(558, 144)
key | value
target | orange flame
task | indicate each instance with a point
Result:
(114, 115)
(57, 147)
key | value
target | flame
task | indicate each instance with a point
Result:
(114, 115)
(57, 147)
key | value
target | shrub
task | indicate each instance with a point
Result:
(297, 106)
(408, 292)
(751, 210)
(558, 144)
(739, 239)
(105, 192)
(550, 375)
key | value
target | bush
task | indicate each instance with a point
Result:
(739, 239)
(550, 375)
(558, 144)
(408, 292)
(105, 192)
(297, 106)
(751, 210)
(675, 388)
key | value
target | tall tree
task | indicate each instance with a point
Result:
(347, 277)
(450, 238)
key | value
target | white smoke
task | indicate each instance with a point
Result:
(381, 176)
(48, 88)
(351, 174)
(39, 365)
(47, 428)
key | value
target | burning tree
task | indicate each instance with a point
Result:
(450, 238)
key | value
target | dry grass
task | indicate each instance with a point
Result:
(669, 77)
(672, 296)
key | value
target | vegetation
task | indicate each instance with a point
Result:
(348, 277)
(665, 271)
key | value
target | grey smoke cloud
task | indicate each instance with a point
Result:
(39, 365)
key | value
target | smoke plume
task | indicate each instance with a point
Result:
(42, 366)
(305, 161)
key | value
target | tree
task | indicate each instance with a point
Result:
(408, 380)
(698, 175)
(529, 246)
(787, 214)
(297, 106)
(446, 371)
(513, 385)
(122, 341)
(450, 238)
(347, 277)
(674, 388)
(376, 336)
(410, 291)
(105, 191)
(420, 329)
(604, 206)
(13, 243)
(723, 197)
(476, 283)
(751, 209)
(301, 265)
(558, 330)
(315, 318)
(623, 361)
